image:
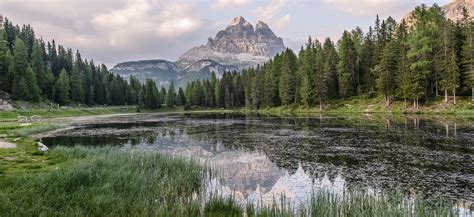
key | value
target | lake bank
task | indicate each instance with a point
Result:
(110, 181)
(40, 163)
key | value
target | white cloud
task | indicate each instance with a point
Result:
(371, 7)
(219, 4)
(269, 11)
(282, 22)
(146, 17)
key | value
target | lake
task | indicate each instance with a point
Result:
(265, 157)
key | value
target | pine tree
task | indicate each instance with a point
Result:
(420, 54)
(403, 74)
(4, 51)
(321, 76)
(181, 100)
(34, 91)
(387, 70)
(77, 92)
(368, 59)
(288, 80)
(62, 88)
(448, 67)
(347, 66)
(49, 84)
(330, 68)
(38, 65)
(219, 95)
(151, 95)
(162, 96)
(171, 96)
(17, 72)
(467, 52)
(306, 73)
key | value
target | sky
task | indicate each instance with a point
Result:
(114, 31)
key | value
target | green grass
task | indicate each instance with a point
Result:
(33, 129)
(105, 181)
(464, 106)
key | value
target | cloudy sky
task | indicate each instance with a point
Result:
(113, 31)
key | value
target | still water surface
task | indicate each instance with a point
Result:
(266, 157)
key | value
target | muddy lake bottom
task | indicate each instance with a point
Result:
(264, 157)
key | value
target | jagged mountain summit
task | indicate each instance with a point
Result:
(240, 45)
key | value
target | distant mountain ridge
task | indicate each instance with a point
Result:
(240, 45)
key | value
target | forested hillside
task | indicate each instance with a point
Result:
(433, 56)
(34, 70)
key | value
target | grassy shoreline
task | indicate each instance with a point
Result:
(464, 106)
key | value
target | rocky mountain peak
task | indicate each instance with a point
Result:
(261, 25)
(239, 44)
(238, 21)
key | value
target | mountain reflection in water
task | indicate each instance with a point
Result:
(265, 157)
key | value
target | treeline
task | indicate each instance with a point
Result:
(429, 56)
(34, 70)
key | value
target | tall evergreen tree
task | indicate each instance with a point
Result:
(387, 70)
(420, 54)
(467, 52)
(39, 66)
(77, 91)
(151, 95)
(347, 66)
(171, 96)
(321, 76)
(448, 67)
(4, 50)
(33, 93)
(288, 79)
(404, 81)
(331, 60)
(17, 73)
(181, 99)
(62, 88)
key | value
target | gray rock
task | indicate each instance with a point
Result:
(42, 147)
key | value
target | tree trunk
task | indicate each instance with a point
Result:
(405, 102)
(436, 87)
(445, 95)
(447, 129)
(320, 104)
(414, 103)
(454, 94)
